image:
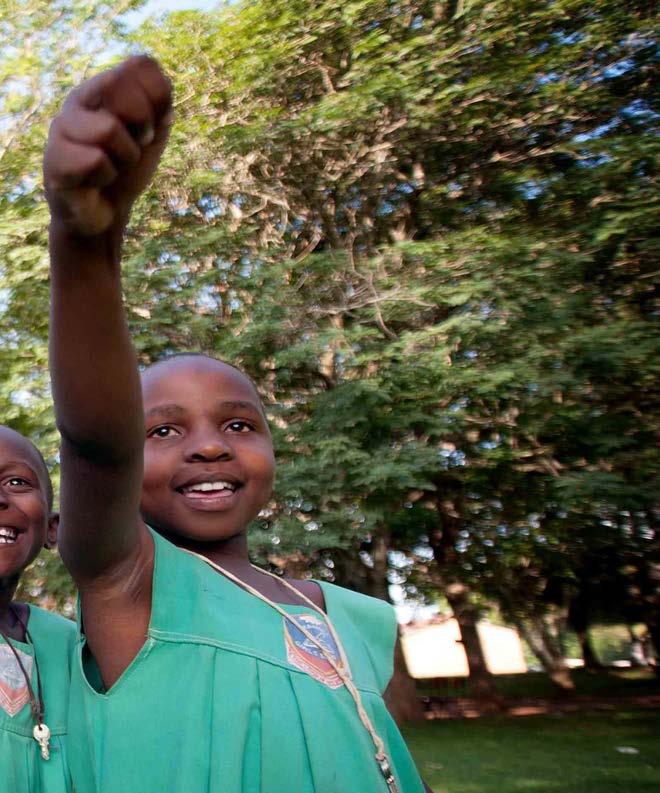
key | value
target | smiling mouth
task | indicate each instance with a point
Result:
(216, 489)
(8, 536)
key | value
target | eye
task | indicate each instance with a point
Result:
(238, 425)
(163, 431)
(18, 482)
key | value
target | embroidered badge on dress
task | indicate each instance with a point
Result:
(14, 693)
(304, 655)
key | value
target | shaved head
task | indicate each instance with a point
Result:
(178, 358)
(25, 445)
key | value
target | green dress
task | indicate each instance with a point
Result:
(225, 698)
(22, 769)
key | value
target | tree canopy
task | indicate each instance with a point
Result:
(426, 230)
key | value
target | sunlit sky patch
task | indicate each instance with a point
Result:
(158, 7)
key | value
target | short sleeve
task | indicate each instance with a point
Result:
(368, 628)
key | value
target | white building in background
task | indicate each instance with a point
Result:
(433, 649)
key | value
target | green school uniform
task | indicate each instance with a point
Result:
(225, 698)
(22, 769)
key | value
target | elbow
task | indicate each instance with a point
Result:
(103, 449)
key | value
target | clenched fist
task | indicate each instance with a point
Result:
(104, 146)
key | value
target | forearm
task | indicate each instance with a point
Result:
(95, 381)
(102, 151)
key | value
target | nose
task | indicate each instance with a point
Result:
(4, 499)
(209, 445)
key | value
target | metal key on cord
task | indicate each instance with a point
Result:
(386, 771)
(41, 735)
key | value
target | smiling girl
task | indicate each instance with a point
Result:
(197, 672)
(35, 645)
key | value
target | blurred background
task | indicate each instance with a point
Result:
(426, 229)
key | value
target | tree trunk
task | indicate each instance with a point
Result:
(540, 640)
(655, 639)
(482, 684)
(649, 583)
(377, 583)
(402, 699)
(443, 542)
(638, 655)
(349, 570)
(579, 617)
(591, 661)
(401, 696)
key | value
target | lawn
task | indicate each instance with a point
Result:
(574, 753)
(609, 683)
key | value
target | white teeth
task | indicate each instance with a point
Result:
(7, 535)
(207, 487)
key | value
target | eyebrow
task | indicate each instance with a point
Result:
(240, 405)
(11, 463)
(166, 411)
(175, 411)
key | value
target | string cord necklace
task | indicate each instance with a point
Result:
(41, 732)
(342, 668)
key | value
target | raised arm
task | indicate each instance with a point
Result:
(102, 151)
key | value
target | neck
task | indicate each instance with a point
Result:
(7, 618)
(231, 553)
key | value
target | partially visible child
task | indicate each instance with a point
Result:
(35, 645)
(198, 672)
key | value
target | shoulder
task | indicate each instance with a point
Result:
(51, 626)
(373, 619)
(176, 572)
(359, 606)
(369, 623)
(170, 560)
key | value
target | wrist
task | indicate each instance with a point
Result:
(64, 238)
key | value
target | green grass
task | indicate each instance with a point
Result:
(608, 683)
(540, 754)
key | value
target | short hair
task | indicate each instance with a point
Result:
(50, 494)
(169, 356)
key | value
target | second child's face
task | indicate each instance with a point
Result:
(208, 456)
(26, 524)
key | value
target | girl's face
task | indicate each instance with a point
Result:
(208, 455)
(26, 524)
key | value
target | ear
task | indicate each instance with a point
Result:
(51, 534)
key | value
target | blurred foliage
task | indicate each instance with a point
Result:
(47, 48)
(426, 230)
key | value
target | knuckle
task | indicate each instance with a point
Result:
(72, 99)
(108, 127)
(96, 159)
(55, 126)
(145, 61)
